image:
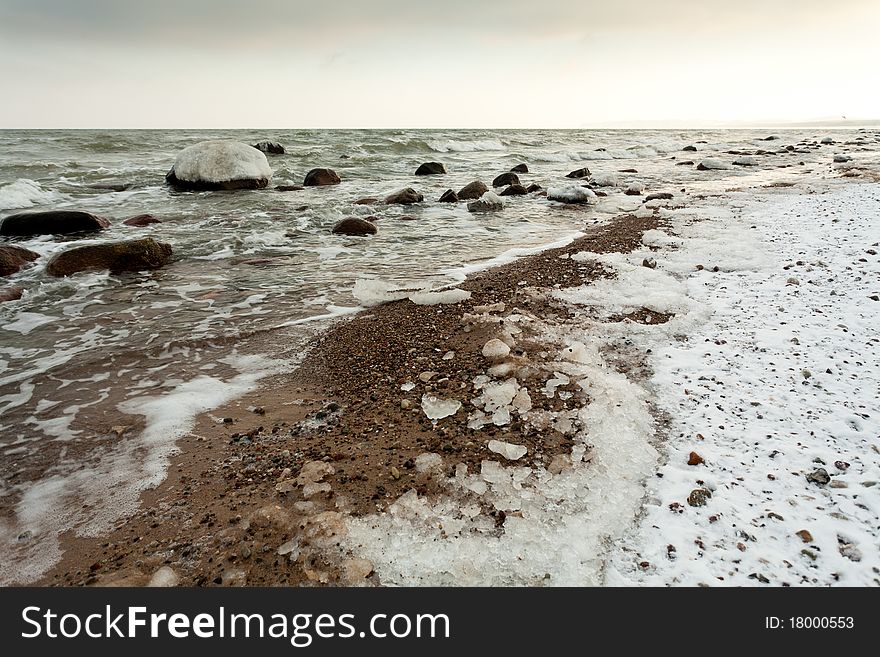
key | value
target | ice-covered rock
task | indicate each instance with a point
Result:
(508, 450)
(488, 202)
(436, 408)
(606, 179)
(495, 349)
(840, 159)
(711, 164)
(219, 164)
(635, 189)
(571, 194)
(745, 161)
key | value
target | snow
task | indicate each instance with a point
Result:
(571, 194)
(780, 381)
(221, 160)
(606, 179)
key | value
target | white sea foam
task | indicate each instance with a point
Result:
(26, 193)
(455, 146)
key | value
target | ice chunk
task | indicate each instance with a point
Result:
(522, 403)
(406, 387)
(501, 370)
(441, 297)
(428, 461)
(436, 408)
(712, 164)
(497, 395)
(372, 292)
(495, 349)
(559, 379)
(508, 450)
(163, 578)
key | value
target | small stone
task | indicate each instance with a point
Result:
(695, 459)
(495, 349)
(395, 473)
(405, 404)
(650, 263)
(699, 497)
(819, 476)
(163, 578)
(805, 536)
(424, 377)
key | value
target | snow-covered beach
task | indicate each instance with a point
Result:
(530, 424)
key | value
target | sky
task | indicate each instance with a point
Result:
(436, 63)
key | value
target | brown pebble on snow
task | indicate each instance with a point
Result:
(805, 536)
(695, 459)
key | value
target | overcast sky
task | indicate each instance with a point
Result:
(435, 63)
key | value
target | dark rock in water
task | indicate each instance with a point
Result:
(770, 138)
(110, 187)
(448, 196)
(220, 164)
(271, 147)
(430, 169)
(11, 293)
(406, 196)
(505, 179)
(289, 188)
(366, 201)
(819, 477)
(634, 190)
(132, 255)
(534, 187)
(472, 191)
(699, 497)
(514, 190)
(628, 171)
(599, 192)
(53, 222)
(689, 148)
(658, 196)
(321, 177)
(520, 168)
(579, 173)
(142, 220)
(406, 217)
(13, 258)
(354, 226)
(685, 163)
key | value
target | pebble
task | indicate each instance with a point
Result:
(819, 476)
(695, 459)
(699, 497)
(805, 536)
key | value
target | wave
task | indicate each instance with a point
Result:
(453, 146)
(25, 193)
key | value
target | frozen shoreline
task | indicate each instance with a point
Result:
(779, 381)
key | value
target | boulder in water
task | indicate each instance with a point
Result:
(131, 255)
(354, 226)
(52, 222)
(690, 148)
(472, 191)
(710, 164)
(142, 220)
(289, 188)
(271, 147)
(406, 196)
(321, 177)
(11, 293)
(520, 168)
(13, 258)
(430, 169)
(534, 187)
(448, 196)
(579, 173)
(658, 196)
(220, 164)
(505, 179)
(514, 190)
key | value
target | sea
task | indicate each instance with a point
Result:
(100, 374)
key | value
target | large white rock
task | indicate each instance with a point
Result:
(220, 164)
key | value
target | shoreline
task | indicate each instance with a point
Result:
(342, 402)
